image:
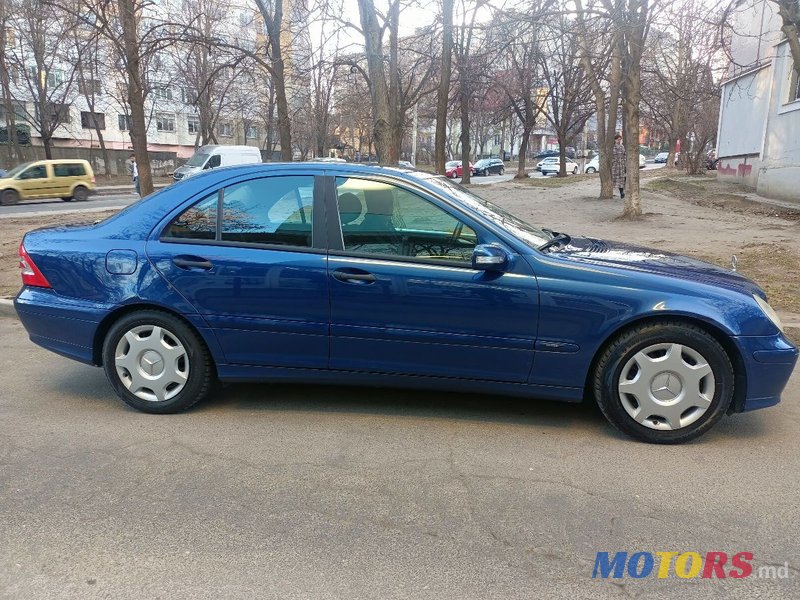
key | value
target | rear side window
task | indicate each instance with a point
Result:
(69, 170)
(271, 210)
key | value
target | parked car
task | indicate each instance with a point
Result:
(68, 179)
(545, 154)
(551, 166)
(406, 164)
(454, 170)
(593, 166)
(210, 157)
(487, 166)
(334, 159)
(661, 158)
(342, 273)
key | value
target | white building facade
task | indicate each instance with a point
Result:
(759, 125)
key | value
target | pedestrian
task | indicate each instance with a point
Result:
(135, 175)
(619, 165)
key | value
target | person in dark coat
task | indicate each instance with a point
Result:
(619, 165)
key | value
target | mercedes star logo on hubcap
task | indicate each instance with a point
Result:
(666, 386)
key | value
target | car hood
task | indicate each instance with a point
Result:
(657, 262)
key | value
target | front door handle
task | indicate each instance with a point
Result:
(192, 262)
(361, 277)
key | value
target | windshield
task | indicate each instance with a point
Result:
(453, 163)
(520, 229)
(18, 169)
(198, 160)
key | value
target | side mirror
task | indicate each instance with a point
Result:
(489, 257)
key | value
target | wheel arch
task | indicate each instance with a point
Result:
(714, 330)
(112, 317)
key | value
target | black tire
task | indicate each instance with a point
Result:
(66, 198)
(80, 194)
(8, 197)
(201, 372)
(575, 171)
(616, 355)
(591, 170)
(501, 171)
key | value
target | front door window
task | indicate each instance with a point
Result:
(382, 219)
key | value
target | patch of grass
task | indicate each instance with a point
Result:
(773, 267)
(673, 186)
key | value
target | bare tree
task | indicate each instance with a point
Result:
(38, 58)
(521, 79)
(443, 92)
(569, 97)
(468, 77)
(272, 14)
(600, 55)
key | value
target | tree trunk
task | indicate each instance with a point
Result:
(633, 204)
(274, 23)
(562, 153)
(48, 149)
(522, 172)
(463, 95)
(379, 92)
(128, 20)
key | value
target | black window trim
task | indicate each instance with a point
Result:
(318, 233)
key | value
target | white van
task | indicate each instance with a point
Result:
(208, 157)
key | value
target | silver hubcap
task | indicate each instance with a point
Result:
(666, 386)
(152, 363)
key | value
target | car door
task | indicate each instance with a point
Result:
(251, 258)
(34, 182)
(405, 298)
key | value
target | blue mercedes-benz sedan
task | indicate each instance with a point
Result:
(382, 276)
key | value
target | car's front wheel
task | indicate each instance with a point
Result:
(664, 383)
(501, 171)
(157, 363)
(591, 170)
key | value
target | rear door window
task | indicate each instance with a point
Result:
(269, 211)
(68, 170)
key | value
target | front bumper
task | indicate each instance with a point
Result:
(768, 362)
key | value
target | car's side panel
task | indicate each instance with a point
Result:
(582, 306)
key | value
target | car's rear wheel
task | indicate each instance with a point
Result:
(664, 383)
(9, 197)
(157, 363)
(80, 193)
(591, 170)
(575, 171)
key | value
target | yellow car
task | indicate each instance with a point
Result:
(68, 179)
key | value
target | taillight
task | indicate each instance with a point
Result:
(93, 179)
(31, 275)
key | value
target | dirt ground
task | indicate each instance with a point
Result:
(697, 216)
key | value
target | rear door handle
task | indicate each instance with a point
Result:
(192, 262)
(361, 277)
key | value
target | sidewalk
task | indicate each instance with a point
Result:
(114, 189)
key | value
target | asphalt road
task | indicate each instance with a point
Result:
(271, 491)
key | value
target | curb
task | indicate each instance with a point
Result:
(7, 308)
